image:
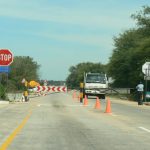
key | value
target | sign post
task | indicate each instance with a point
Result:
(146, 71)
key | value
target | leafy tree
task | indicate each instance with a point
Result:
(143, 19)
(77, 72)
(132, 49)
(2, 92)
(23, 67)
(3, 85)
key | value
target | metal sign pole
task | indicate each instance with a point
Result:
(145, 88)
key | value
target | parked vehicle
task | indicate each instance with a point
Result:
(95, 84)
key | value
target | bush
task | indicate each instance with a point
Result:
(2, 92)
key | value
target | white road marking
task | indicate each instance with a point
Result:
(50, 105)
(114, 115)
(147, 130)
(78, 105)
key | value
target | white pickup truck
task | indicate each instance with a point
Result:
(95, 84)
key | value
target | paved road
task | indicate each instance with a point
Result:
(57, 122)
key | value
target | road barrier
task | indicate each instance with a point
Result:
(51, 88)
(14, 96)
(97, 103)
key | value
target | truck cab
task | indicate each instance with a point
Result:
(95, 84)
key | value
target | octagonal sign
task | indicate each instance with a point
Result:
(146, 68)
(6, 57)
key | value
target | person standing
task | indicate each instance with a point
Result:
(140, 89)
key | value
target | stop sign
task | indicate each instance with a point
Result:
(6, 57)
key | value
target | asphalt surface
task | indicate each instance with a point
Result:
(59, 122)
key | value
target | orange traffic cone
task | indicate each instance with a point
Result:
(85, 101)
(97, 104)
(108, 106)
(74, 95)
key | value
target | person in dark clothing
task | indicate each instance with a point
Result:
(140, 89)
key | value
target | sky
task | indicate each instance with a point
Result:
(59, 34)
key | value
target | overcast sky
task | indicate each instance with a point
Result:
(62, 33)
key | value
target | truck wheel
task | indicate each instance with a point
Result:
(102, 96)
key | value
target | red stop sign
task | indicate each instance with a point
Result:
(6, 57)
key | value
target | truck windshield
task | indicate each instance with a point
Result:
(95, 79)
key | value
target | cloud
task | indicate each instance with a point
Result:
(91, 39)
(41, 11)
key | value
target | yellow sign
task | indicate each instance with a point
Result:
(33, 84)
(81, 85)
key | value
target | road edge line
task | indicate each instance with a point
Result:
(147, 130)
(11, 137)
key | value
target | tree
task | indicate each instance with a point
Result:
(142, 18)
(132, 49)
(119, 66)
(23, 67)
(77, 73)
